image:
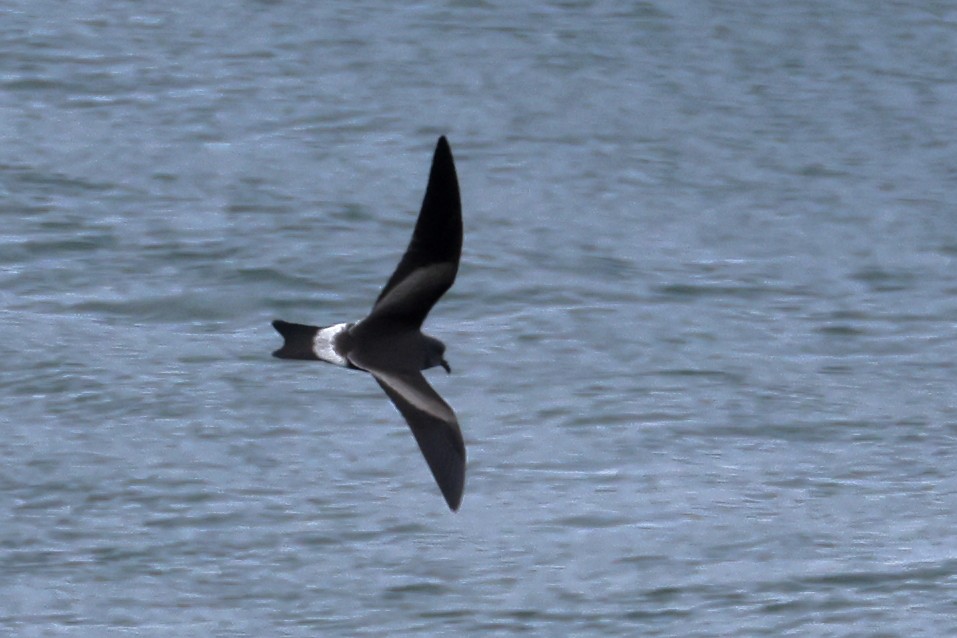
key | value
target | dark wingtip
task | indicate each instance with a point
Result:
(453, 484)
(453, 493)
(443, 153)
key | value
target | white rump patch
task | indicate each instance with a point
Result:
(323, 344)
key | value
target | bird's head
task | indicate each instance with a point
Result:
(435, 354)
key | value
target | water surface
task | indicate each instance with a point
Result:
(703, 334)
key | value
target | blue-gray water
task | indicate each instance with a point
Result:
(703, 337)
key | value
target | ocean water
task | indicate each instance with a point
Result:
(703, 337)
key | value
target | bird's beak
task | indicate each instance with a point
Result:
(445, 364)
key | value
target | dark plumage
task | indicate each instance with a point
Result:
(389, 344)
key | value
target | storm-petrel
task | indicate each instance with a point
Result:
(389, 344)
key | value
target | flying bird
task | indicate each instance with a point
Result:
(389, 343)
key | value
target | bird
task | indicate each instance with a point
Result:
(389, 343)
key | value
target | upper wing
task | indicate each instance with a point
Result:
(431, 261)
(434, 426)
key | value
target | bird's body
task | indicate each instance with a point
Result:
(389, 343)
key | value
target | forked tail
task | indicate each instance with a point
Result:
(300, 340)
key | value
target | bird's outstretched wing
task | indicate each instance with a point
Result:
(431, 261)
(434, 426)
